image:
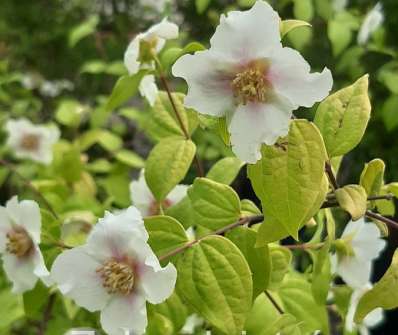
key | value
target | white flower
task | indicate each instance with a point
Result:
(138, 54)
(148, 89)
(143, 199)
(153, 39)
(366, 244)
(115, 272)
(248, 76)
(30, 141)
(374, 318)
(20, 226)
(372, 22)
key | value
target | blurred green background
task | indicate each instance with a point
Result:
(59, 59)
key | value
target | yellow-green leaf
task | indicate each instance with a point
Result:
(288, 25)
(352, 198)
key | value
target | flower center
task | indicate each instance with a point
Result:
(19, 242)
(154, 207)
(30, 142)
(251, 85)
(117, 277)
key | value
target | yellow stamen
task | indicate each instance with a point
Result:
(251, 85)
(19, 242)
(30, 142)
(118, 277)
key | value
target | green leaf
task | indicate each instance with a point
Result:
(70, 112)
(35, 301)
(258, 258)
(281, 259)
(168, 164)
(288, 25)
(67, 162)
(225, 170)
(201, 5)
(163, 121)
(321, 275)
(130, 158)
(165, 234)
(388, 113)
(214, 279)
(289, 177)
(170, 56)
(303, 10)
(104, 138)
(12, 307)
(125, 88)
(249, 208)
(353, 199)
(183, 212)
(340, 31)
(384, 293)
(372, 177)
(342, 117)
(82, 30)
(298, 300)
(388, 75)
(215, 205)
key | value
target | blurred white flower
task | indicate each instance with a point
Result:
(20, 227)
(365, 245)
(115, 272)
(157, 5)
(192, 322)
(30, 141)
(54, 88)
(373, 319)
(81, 331)
(148, 89)
(248, 77)
(143, 199)
(138, 54)
(372, 22)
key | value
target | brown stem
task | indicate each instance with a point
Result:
(273, 301)
(165, 84)
(332, 202)
(332, 178)
(387, 221)
(304, 246)
(246, 220)
(47, 315)
(30, 186)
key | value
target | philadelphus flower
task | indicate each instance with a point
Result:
(115, 272)
(365, 244)
(139, 54)
(20, 226)
(30, 141)
(143, 199)
(372, 22)
(248, 76)
(373, 319)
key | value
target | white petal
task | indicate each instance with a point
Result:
(352, 228)
(372, 22)
(374, 318)
(209, 80)
(40, 268)
(254, 124)
(20, 271)
(74, 271)
(141, 195)
(131, 56)
(5, 227)
(113, 235)
(177, 194)
(356, 273)
(27, 215)
(290, 76)
(367, 243)
(125, 313)
(164, 29)
(158, 283)
(248, 35)
(148, 89)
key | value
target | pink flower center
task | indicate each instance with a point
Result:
(19, 242)
(117, 277)
(154, 207)
(251, 85)
(30, 142)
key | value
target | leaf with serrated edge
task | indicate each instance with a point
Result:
(215, 280)
(342, 117)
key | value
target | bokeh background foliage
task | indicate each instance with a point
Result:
(78, 46)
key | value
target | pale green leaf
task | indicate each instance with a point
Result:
(281, 259)
(12, 307)
(201, 5)
(215, 205)
(70, 113)
(82, 30)
(321, 275)
(130, 158)
(342, 117)
(353, 199)
(168, 164)
(214, 278)
(225, 170)
(303, 10)
(372, 177)
(288, 25)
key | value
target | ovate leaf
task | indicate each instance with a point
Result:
(288, 178)
(225, 170)
(214, 278)
(352, 198)
(288, 25)
(342, 117)
(82, 30)
(384, 293)
(281, 259)
(215, 205)
(372, 177)
(168, 164)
